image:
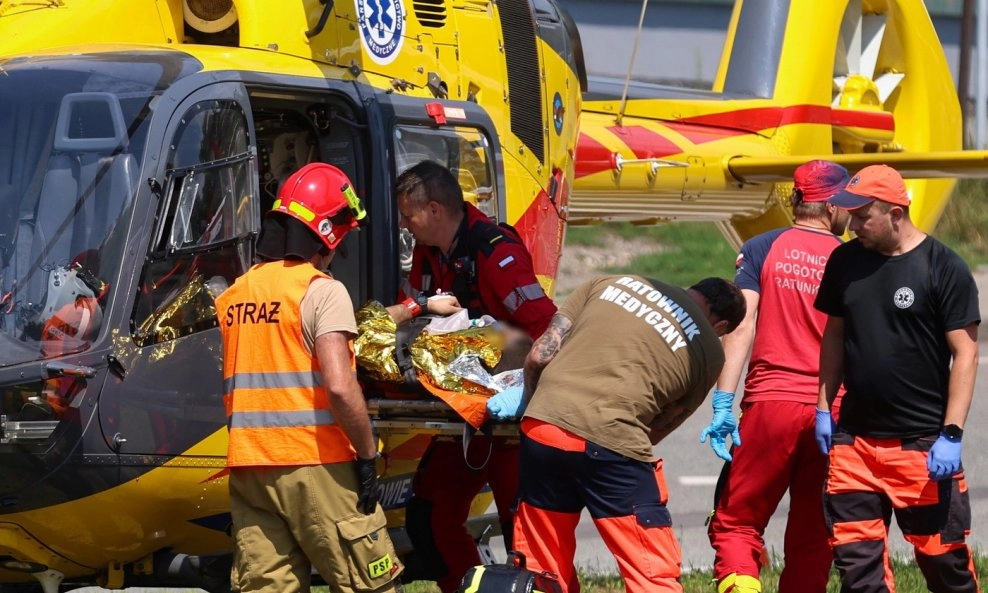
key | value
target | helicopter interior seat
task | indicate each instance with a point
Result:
(106, 185)
(86, 185)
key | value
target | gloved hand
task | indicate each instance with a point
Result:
(366, 485)
(507, 404)
(722, 425)
(824, 430)
(944, 459)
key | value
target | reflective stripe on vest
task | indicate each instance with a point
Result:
(281, 419)
(277, 409)
(274, 380)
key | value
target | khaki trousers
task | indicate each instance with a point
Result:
(289, 520)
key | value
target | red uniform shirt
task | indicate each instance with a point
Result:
(785, 267)
(489, 270)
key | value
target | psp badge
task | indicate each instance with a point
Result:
(382, 24)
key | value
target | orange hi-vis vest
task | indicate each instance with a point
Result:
(277, 409)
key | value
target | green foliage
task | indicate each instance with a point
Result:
(588, 236)
(964, 223)
(690, 251)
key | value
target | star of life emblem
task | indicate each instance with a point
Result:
(382, 24)
(904, 297)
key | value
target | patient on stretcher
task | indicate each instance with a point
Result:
(461, 361)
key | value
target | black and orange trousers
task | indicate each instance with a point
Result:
(561, 474)
(868, 481)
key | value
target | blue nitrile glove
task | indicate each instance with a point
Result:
(508, 404)
(945, 457)
(824, 430)
(722, 425)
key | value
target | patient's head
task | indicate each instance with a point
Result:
(517, 343)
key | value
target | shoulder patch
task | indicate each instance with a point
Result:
(506, 261)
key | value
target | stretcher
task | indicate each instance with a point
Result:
(432, 417)
(405, 427)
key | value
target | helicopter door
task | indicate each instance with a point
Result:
(206, 220)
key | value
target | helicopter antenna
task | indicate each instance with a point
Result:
(631, 63)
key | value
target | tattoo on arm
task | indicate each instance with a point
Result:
(545, 349)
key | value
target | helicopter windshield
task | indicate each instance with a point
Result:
(74, 134)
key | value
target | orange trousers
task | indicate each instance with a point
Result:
(871, 479)
(561, 474)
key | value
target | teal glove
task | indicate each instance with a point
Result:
(945, 458)
(508, 404)
(723, 425)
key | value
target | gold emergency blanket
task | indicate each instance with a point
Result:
(431, 354)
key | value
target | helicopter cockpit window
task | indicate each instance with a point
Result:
(74, 134)
(206, 224)
(465, 151)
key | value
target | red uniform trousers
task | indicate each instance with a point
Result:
(561, 474)
(778, 452)
(442, 491)
(870, 479)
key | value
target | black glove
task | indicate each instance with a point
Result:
(366, 485)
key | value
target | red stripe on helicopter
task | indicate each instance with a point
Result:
(645, 143)
(764, 118)
(591, 157)
(541, 228)
(413, 448)
(878, 120)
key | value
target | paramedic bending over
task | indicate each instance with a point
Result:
(487, 269)
(631, 359)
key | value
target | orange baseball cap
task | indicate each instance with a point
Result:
(877, 182)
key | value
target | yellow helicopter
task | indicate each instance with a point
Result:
(144, 138)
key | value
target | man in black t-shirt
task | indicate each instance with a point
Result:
(902, 335)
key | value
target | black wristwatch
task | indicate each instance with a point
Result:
(953, 432)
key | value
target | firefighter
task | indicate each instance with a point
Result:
(461, 259)
(303, 481)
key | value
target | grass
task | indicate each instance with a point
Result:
(908, 579)
(964, 224)
(690, 250)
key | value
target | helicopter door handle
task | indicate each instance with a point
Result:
(62, 369)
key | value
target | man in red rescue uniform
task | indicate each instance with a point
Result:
(303, 481)
(779, 274)
(487, 269)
